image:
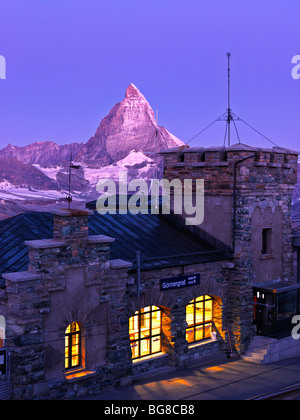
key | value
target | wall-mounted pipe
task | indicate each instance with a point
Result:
(234, 198)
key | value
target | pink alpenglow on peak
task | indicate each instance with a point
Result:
(133, 92)
(130, 125)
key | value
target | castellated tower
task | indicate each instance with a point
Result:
(247, 212)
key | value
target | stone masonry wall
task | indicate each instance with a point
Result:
(214, 281)
(69, 279)
(251, 178)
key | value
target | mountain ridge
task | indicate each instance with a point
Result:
(129, 125)
(126, 139)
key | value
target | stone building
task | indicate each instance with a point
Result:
(89, 301)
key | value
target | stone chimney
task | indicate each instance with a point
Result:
(71, 224)
(70, 248)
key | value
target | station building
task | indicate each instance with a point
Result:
(90, 301)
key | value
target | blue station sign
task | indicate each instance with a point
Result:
(179, 282)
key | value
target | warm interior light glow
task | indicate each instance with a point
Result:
(145, 331)
(72, 346)
(199, 316)
(215, 368)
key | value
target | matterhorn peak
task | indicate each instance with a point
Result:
(129, 125)
(133, 92)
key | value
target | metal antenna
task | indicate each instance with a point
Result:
(229, 116)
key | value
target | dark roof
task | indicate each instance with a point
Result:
(160, 241)
(14, 231)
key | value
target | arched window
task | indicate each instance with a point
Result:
(2, 331)
(145, 331)
(199, 316)
(73, 349)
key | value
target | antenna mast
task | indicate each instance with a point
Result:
(229, 115)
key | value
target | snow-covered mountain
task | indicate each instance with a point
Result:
(127, 139)
(130, 125)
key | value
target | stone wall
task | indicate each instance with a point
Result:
(72, 278)
(76, 281)
(69, 279)
(248, 189)
(214, 281)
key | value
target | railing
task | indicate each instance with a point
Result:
(5, 383)
(4, 390)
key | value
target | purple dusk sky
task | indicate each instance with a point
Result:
(69, 61)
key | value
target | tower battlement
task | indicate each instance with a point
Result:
(257, 169)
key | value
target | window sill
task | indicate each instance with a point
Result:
(79, 374)
(267, 256)
(150, 357)
(202, 343)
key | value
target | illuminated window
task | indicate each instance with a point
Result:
(73, 346)
(145, 332)
(2, 331)
(199, 315)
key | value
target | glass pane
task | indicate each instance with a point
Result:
(75, 360)
(145, 347)
(199, 333)
(207, 330)
(199, 299)
(134, 327)
(190, 314)
(155, 344)
(72, 345)
(66, 358)
(208, 310)
(199, 312)
(287, 304)
(156, 316)
(145, 331)
(146, 309)
(145, 324)
(190, 335)
(74, 327)
(135, 349)
(75, 340)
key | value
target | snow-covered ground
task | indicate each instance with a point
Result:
(112, 171)
(9, 191)
(51, 172)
